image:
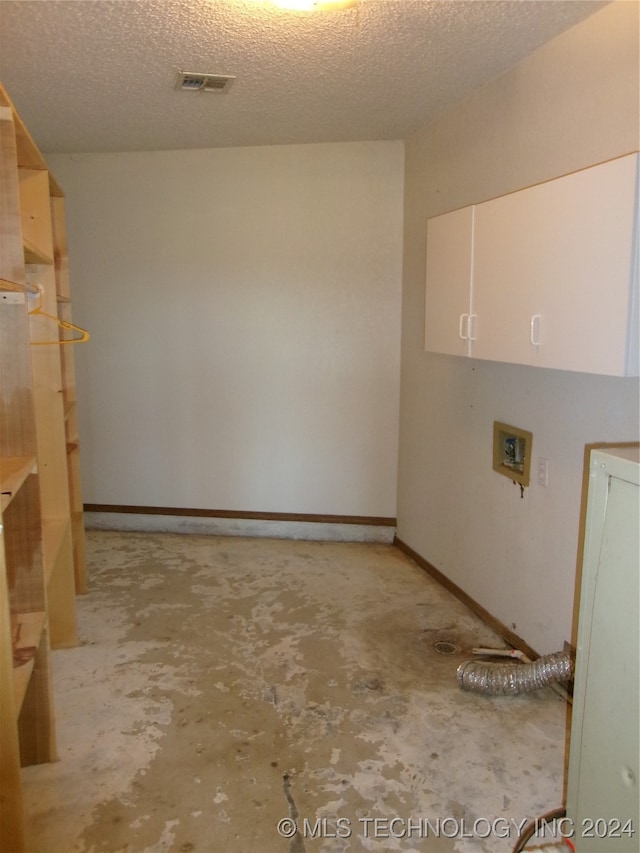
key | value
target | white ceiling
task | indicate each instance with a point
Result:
(99, 75)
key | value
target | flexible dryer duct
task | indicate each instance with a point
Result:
(508, 679)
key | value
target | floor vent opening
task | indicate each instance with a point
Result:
(443, 647)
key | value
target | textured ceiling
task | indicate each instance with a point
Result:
(99, 75)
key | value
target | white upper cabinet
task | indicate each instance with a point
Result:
(449, 295)
(553, 280)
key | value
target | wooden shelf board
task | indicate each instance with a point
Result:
(63, 299)
(55, 189)
(69, 408)
(33, 255)
(14, 470)
(53, 533)
(31, 628)
(28, 154)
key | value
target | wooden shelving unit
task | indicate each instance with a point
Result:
(42, 532)
(15, 471)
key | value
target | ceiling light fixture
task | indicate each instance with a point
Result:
(314, 5)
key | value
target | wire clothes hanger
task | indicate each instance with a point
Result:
(63, 324)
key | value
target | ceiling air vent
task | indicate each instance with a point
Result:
(188, 82)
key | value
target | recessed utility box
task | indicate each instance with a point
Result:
(512, 452)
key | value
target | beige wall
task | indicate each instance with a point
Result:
(571, 104)
(244, 310)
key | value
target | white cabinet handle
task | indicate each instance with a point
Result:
(471, 329)
(534, 330)
(464, 321)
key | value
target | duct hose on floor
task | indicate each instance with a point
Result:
(509, 679)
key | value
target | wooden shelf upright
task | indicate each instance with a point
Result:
(42, 532)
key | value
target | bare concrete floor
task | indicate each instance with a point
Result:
(268, 696)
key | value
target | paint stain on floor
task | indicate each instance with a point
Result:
(258, 696)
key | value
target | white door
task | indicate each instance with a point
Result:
(552, 271)
(586, 280)
(505, 275)
(448, 288)
(602, 783)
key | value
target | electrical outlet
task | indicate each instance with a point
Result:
(543, 471)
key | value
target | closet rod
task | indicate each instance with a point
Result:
(18, 287)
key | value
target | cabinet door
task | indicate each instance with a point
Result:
(448, 291)
(508, 235)
(554, 272)
(602, 784)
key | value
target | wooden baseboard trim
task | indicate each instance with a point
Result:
(374, 521)
(507, 634)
